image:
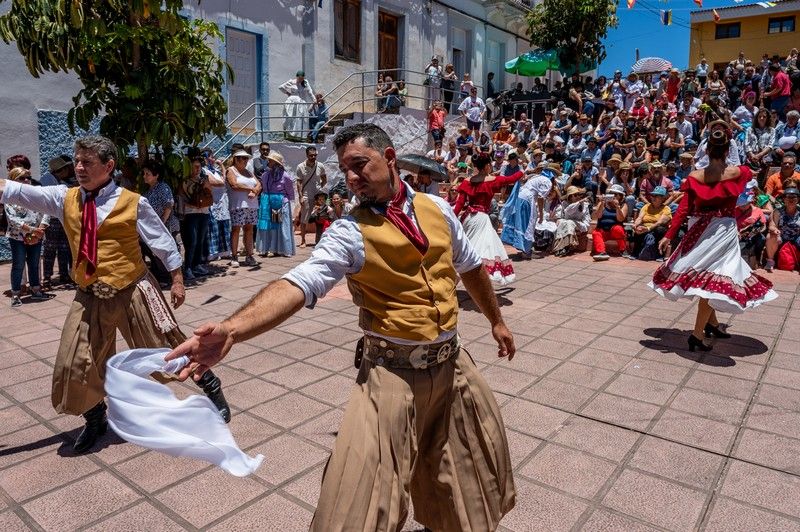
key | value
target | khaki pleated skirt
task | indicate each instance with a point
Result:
(435, 435)
(88, 339)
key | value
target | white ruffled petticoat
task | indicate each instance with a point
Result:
(480, 232)
(708, 264)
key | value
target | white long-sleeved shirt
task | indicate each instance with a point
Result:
(340, 252)
(50, 201)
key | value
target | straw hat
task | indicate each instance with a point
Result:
(616, 157)
(624, 165)
(616, 189)
(571, 190)
(17, 173)
(241, 153)
(276, 158)
(555, 166)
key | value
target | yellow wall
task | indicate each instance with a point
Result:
(754, 40)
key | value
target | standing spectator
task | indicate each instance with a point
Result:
(196, 200)
(633, 90)
(311, 179)
(491, 91)
(25, 232)
(432, 82)
(258, 165)
(466, 85)
(275, 228)
(784, 233)
(295, 110)
(56, 245)
(319, 117)
(160, 197)
(449, 81)
(219, 221)
(473, 109)
(243, 197)
(436, 118)
(702, 71)
(780, 90)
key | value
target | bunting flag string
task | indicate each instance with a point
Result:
(666, 17)
(716, 15)
(699, 3)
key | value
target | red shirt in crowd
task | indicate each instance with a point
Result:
(436, 119)
(781, 81)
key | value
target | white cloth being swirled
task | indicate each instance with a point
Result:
(147, 413)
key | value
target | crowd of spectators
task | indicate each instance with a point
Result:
(620, 148)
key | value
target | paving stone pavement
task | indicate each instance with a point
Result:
(612, 423)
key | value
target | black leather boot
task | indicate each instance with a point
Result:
(212, 387)
(96, 426)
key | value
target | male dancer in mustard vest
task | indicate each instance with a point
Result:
(421, 420)
(103, 224)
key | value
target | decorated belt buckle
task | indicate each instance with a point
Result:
(102, 290)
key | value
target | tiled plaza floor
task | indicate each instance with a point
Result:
(612, 424)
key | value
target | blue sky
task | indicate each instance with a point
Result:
(641, 28)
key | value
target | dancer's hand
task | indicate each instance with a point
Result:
(505, 341)
(210, 343)
(177, 293)
(665, 246)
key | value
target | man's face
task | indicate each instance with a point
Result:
(791, 120)
(312, 155)
(787, 166)
(424, 178)
(656, 173)
(90, 171)
(369, 174)
(264, 150)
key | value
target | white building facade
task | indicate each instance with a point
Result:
(340, 44)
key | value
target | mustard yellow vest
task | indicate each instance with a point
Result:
(402, 293)
(119, 257)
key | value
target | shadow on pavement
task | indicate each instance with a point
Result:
(674, 341)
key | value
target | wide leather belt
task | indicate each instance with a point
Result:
(383, 352)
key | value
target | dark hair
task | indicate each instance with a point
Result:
(236, 146)
(153, 166)
(263, 144)
(103, 147)
(309, 149)
(18, 161)
(198, 160)
(374, 137)
(481, 160)
(718, 143)
(321, 195)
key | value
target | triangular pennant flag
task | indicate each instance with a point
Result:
(699, 3)
(716, 15)
(666, 17)
(766, 5)
(631, 3)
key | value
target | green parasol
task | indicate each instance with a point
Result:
(534, 63)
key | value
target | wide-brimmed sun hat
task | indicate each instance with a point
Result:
(616, 189)
(572, 190)
(241, 153)
(277, 158)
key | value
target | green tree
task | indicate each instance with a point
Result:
(575, 28)
(146, 70)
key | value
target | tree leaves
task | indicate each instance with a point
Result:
(575, 28)
(147, 69)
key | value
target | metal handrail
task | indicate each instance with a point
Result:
(363, 99)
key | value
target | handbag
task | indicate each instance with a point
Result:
(276, 215)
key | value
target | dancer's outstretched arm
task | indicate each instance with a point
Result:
(212, 341)
(479, 287)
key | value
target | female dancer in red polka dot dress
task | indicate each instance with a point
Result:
(707, 262)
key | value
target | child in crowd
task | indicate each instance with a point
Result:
(322, 214)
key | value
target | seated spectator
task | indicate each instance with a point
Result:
(583, 127)
(624, 177)
(671, 173)
(574, 147)
(437, 153)
(504, 135)
(322, 214)
(653, 179)
(610, 212)
(573, 223)
(318, 117)
(673, 144)
(783, 237)
(464, 139)
(752, 225)
(585, 176)
(774, 184)
(638, 154)
(593, 152)
(685, 167)
(650, 226)
(787, 136)
(759, 140)
(391, 96)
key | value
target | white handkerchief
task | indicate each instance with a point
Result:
(147, 413)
